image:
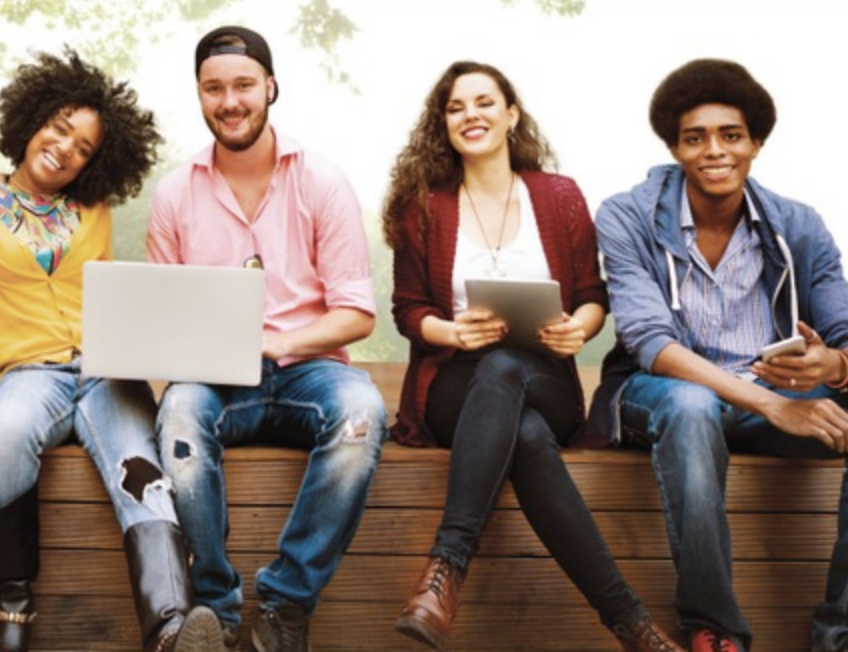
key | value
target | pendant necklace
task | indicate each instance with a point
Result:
(494, 270)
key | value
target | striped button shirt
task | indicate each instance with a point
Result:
(726, 310)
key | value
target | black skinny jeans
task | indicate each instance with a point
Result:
(505, 414)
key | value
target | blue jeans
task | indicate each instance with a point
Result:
(321, 405)
(505, 414)
(42, 405)
(690, 432)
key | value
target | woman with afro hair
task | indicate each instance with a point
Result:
(78, 143)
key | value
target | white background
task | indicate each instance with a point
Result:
(587, 80)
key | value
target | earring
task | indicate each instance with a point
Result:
(510, 135)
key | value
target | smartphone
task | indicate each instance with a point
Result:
(795, 345)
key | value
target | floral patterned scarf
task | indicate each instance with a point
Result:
(42, 223)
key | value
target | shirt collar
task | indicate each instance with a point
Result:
(687, 222)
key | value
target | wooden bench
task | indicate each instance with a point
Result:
(783, 515)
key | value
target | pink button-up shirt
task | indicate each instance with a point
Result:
(308, 231)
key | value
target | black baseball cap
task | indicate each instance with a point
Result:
(254, 47)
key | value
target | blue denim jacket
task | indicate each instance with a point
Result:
(639, 236)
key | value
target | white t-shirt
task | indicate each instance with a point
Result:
(523, 258)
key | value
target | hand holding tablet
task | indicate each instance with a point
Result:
(525, 306)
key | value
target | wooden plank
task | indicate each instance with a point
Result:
(393, 531)
(608, 480)
(368, 578)
(89, 623)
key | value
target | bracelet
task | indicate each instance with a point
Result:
(843, 365)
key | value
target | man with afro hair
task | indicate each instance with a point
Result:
(708, 271)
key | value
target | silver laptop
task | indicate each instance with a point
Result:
(172, 322)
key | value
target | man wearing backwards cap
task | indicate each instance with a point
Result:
(255, 197)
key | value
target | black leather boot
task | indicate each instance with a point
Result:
(158, 566)
(18, 569)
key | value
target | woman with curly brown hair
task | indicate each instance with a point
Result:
(79, 143)
(470, 197)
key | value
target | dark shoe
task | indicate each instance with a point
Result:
(18, 569)
(833, 638)
(198, 632)
(430, 611)
(645, 636)
(158, 565)
(281, 629)
(706, 641)
(17, 612)
(231, 637)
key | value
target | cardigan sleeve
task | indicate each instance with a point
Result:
(412, 298)
(588, 286)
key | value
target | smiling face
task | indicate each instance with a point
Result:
(59, 151)
(715, 150)
(234, 92)
(477, 117)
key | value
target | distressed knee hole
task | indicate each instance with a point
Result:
(183, 449)
(355, 432)
(139, 474)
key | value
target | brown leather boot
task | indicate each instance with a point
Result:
(429, 612)
(645, 636)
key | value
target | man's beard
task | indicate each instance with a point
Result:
(245, 141)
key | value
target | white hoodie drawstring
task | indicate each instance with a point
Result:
(793, 291)
(672, 279)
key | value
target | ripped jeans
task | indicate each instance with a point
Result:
(325, 406)
(42, 405)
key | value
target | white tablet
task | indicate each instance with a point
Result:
(525, 306)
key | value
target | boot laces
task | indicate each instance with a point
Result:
(444, 574)
(646, 632)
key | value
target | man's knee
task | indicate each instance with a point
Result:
(671, 406)
(185, 424)
(362, 416)
(690, 401)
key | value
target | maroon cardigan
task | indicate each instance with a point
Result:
(423, 269)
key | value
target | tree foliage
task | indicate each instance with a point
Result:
(111, 34)
(320, 26)
(114, 34)
(558, 7)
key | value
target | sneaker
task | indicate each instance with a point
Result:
(830, 638)
(230, 635)
(281, 629)
(706, 641)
